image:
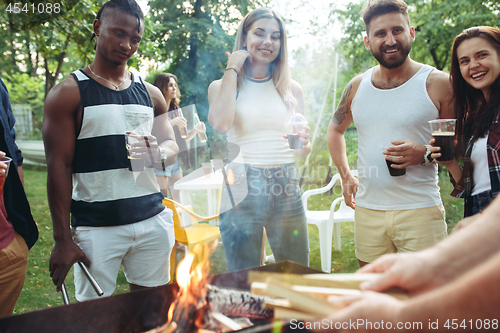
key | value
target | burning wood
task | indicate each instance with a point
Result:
(197, 300)
(167, 328)
(238, 303)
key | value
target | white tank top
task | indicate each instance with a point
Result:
(258, 126)
(383, 115)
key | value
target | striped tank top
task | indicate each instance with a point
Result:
(105, 192)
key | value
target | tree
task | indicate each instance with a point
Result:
(42, 33)
(438, 22)
(55, 41)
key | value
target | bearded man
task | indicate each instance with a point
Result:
(391, 105)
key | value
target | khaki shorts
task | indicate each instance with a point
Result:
(377, 232)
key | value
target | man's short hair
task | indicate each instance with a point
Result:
(128, 6)
(380, 7)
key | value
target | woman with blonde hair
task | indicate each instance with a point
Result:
(250, 104)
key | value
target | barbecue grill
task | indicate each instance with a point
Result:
(136, 311)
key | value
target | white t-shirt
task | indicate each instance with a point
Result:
(481, 174)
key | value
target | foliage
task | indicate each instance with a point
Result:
(42, 42)
(436, 22)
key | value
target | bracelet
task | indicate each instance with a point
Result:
(427, 156)
(234, 69)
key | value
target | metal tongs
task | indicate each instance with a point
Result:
(91, 279)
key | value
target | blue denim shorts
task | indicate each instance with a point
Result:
(481, 201)
(257, 198)
(171, 170)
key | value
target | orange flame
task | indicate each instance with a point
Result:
(230, 177)
(192, 278)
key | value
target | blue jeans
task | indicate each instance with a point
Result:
(480, 201)
(273, 201)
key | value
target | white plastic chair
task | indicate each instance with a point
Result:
(325, 220)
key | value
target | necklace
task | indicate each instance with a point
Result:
(114, 85)
(258, 80)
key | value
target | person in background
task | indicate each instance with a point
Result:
(117, 215)
(250, 104)
(391, 105)
(475, 74)
(18, 231)
(167, 83)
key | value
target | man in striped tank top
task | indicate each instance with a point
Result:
(391, 105)
(117, 216)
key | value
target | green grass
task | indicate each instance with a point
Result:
(39, 292)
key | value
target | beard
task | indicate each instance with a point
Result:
(392, 62)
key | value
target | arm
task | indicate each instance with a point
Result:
(474, 296)
(162, 133)
(341, 120)
(442, 263)
(298, 93)
(59, 133)
(222, 94)
(11, 120)
(21, 174)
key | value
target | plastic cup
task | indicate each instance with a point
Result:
(5, 160)
(443, 131)
(393, 172)
(136, 162)
(178, 113)
(293, 126)
(207, 168)
(218, 164)
(202, 135)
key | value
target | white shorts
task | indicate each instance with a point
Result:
(142, 248)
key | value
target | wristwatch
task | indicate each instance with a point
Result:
(163, 155)
(427, 156)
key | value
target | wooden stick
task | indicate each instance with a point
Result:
(286, 313)
(226, 322)
(338, 281)
(259, 288)
(299, 301)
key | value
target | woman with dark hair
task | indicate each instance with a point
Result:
(475, 75)
(250, 104)
(167, 83)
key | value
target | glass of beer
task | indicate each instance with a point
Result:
(136, 160)
(393, 172)
(182, 129)
(200, 128)
(443, 131)
(293, 126)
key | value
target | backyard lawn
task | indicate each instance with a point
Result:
(39, 292)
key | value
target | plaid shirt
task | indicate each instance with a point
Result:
(463, 188)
